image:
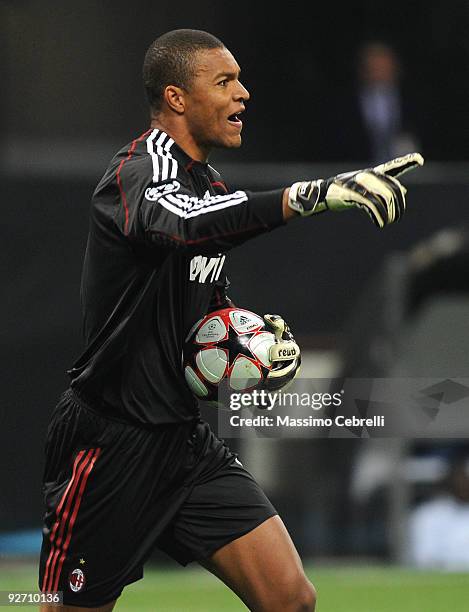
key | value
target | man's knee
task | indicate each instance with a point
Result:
(296, 596)
(306, 600)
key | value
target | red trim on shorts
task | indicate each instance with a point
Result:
(74, 516)
(50, 561)
(130, 152)
(79, 478)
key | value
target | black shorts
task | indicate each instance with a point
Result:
(113, 492)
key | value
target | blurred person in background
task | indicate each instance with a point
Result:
(439, 526)
(377, 120)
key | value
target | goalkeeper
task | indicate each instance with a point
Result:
(130, 465)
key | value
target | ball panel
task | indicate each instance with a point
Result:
(212, 363)
(260, 346)
(244, 373)
(244, 321)
(196, 385)
(213, 330)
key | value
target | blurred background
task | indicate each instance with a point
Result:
(343, 88)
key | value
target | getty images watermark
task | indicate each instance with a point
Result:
(264, 400)
(350, 408)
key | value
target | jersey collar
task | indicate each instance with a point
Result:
(171, 147)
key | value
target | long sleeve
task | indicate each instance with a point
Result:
(170, 215)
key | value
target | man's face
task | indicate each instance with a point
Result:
(215, 99)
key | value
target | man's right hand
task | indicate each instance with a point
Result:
(374, 190)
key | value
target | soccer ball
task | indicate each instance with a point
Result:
(234, 346)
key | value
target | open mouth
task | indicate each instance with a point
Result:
(234, 118)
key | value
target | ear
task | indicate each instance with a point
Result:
(174, 97)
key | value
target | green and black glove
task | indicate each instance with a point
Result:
(374, 190)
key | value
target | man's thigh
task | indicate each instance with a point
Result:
(229, 526)
(264, 569)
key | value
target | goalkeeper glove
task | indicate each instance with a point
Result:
(374, 190)
(284, 355)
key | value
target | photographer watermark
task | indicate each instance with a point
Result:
(383, 407)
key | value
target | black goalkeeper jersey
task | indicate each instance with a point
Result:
(160, 225)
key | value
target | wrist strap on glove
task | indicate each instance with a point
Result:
(285, 353)
(308, 197)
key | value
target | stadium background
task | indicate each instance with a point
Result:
(72, 94)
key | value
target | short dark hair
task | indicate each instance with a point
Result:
(170, 60)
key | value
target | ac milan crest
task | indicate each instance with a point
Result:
(77, 580)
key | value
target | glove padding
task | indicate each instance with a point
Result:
(374, 190)
(285, 354)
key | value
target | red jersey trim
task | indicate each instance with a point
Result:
(130, 152)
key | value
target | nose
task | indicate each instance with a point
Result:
(242, 94)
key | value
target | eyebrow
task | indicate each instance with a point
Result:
(226, 73)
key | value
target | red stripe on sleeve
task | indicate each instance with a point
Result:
(130, 152)
(220, 184)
